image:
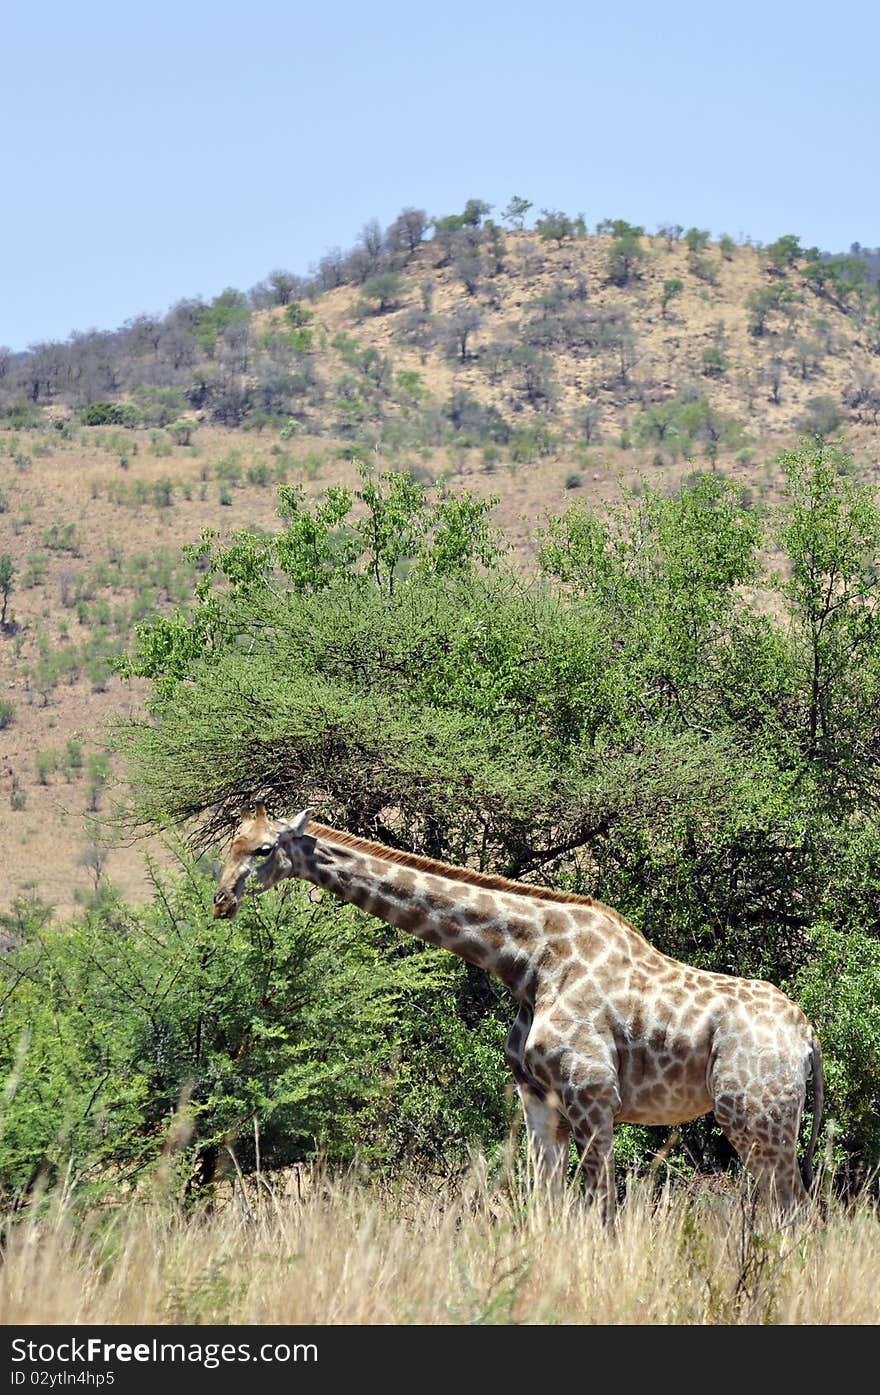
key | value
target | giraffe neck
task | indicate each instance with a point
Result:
(498, 932)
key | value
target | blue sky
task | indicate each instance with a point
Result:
(172, 151)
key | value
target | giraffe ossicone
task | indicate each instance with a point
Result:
(609, 1030)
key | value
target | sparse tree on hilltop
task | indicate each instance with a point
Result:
(407, 231)
(696, 239)
(475, 210)
(515, 212)
(784, 252)
(554, 226)
(625, 251)
(671, 232)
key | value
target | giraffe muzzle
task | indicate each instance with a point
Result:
(225, 905)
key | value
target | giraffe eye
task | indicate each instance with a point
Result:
(263, 850)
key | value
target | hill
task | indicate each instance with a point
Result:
(542, 366)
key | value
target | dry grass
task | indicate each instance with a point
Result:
(349, 1253)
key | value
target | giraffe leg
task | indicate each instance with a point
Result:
(547, 1129)
(765, 1137)
(592, 1122)
(548, 1135)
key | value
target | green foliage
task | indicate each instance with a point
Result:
(158, 406)
(822, 416)
(704, 268)
(696, 239)
(110, 414)
(714, 362)
(555, 226)
(298, 315)
(764, 302)
(672, 286)
(129, 1033)
(629, 723)
(516, 210)
(21, 413)
(182, 431)
(686, 424)
(837, 279)
(385, 289)
(475, 210)
(62, 537)
(830, 530)
(784, 252)
(227, 309)
(7, 583)
(839, 986)
(624, 253)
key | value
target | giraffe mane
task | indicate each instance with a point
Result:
(453, 873)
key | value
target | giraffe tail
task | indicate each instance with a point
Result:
(818, 1100)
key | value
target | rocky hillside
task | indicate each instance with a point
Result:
(541, 366)
(517, 342)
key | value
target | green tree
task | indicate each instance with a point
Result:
(784, 252)
(475, 210)
(830, 530)
(385, 289)
(625, 252)
(696, 239)
(764, 302)
(182, 431)
(297, 315)
(554, 226)
(516, 210)
(7, 584)
(672, 286)
(226, 311)
(838, 279)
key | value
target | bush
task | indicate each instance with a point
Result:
(110, 414)
(118, 1023)
(840, 989)
(823, 416)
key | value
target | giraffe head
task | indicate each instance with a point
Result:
(262, 848)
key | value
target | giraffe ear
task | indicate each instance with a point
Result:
(298, 825)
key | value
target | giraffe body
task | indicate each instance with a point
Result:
(608, 1031)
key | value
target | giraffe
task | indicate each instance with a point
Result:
(608, 1029)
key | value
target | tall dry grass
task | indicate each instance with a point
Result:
(349, 1252)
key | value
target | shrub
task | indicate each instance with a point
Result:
(121, 1021)
(110, 414)
(822, 417)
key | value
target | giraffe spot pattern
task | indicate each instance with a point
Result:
(608, 1027)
